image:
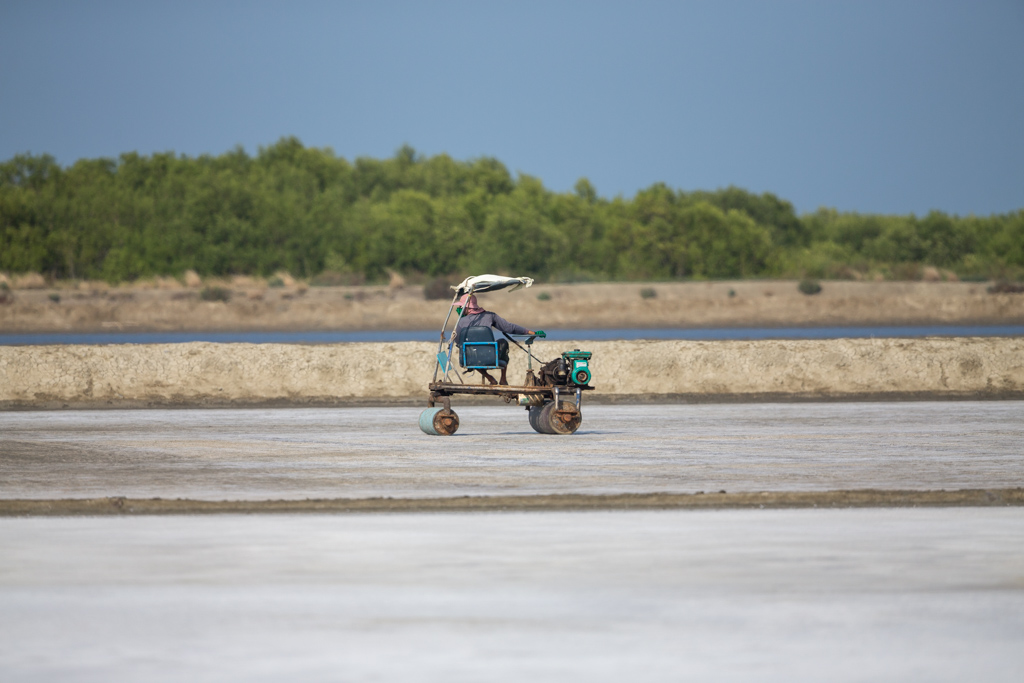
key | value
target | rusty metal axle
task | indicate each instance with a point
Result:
(450, 388)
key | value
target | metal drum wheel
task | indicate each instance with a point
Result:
(535, 421)
(547, 420)
(439, 421)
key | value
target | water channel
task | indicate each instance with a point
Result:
(696, 334)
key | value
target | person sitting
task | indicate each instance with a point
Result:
(473, 316)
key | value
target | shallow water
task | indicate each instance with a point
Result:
(696, 334)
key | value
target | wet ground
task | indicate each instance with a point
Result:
(883, 593)
(777, 595)
(368, 452)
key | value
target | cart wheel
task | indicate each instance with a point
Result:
(551, 421)
(564, 421)
(535, 419)
(439, 422)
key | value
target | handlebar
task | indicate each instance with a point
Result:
(528, 338)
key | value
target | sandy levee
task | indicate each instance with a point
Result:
(208, 374)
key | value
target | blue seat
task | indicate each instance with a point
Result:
(479, 351)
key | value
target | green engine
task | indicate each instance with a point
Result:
(578, 364)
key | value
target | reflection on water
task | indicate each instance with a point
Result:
(721, 333)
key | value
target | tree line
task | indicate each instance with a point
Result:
(316, 215)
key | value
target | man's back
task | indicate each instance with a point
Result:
(487, 319)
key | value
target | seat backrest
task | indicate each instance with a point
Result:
(478, 333)
(479, 350)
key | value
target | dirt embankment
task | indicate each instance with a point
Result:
(254, 306)
(622, 501)
(282, 374)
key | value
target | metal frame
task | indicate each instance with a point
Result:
(441, 391)
(440, 346)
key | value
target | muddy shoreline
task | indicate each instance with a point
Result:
(592, 399)
(1013, 497)
(248, 305)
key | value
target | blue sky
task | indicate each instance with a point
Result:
(892, 107)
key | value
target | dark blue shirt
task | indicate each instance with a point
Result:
(488, 319)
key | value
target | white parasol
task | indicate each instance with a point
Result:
(490, 283)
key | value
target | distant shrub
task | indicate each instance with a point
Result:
(30, 281)
(437, 289)
(334, 278)
(648, 293)
(809, 287)
(732, 293)
(328, 278)
(543, 296)
(272, 282)
(574, 276)
(215, 294)
(4, 287)
(55, 298)
(1006, 288)
(906, 271)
